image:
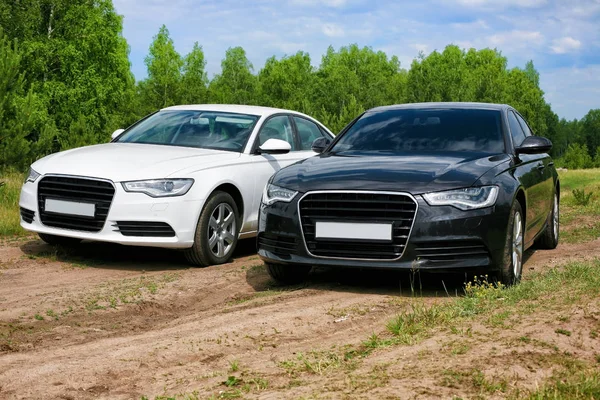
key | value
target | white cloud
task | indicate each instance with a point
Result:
(516, 38)
(328, 3)
(572, 92)
(565, 45)
(420, 47)
(502, 3)
(332, 30)
(477, 24)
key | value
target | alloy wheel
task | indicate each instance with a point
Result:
(517, 244)
(221, 230)
(555, 217)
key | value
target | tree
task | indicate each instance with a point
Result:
(194, 81)
(24, 126)
(590, 130)
(287, 82)
(236, 84)
(76, 62)
(577, 156)
(357, 78)
(162, 88)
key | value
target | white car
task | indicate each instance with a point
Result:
(186, 177)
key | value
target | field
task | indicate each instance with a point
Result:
(105, 321)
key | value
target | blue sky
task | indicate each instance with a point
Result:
(562, 37)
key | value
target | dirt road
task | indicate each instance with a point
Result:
(105, 321)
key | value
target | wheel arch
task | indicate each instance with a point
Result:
(522, 199)
(234, 192)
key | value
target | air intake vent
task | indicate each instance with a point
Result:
(27, 215)
(278, 244)
(454, 250)
(144, 228)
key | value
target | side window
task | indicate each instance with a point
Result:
(515, 129)
(524, 126)
(278, 127)
(307, 132)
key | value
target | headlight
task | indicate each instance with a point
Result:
(274, 193)
(160, 187)
(464, 199)
(33, 175)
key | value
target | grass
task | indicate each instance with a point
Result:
(9, 203)
(485, 303)
(580, 221)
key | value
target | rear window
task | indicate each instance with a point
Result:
(411, 130)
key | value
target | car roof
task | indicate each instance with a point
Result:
(444, 105)
(234, 108)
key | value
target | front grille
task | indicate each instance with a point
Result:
(27, 215)
(453, 250)
(397, 209)
(144, 228)
(99, 193)
(278, 244)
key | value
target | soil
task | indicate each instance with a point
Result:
(111, 322)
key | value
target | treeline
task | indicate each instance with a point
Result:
(65, 81)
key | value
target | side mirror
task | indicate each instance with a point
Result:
(534, 145)
(320, 144)
(275, 146)
(116, 133)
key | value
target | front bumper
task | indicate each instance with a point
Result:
(181, 213)
(442, 238)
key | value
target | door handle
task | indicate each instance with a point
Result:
(551, 163)
(541, 167)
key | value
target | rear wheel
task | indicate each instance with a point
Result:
(288, 274)
(216, 233)
(59, 240)
(549, 239)
(511, 267)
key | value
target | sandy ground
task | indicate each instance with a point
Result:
(106, 321)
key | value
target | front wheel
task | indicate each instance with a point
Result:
(511, 267)
(216, 233)
(549, 238)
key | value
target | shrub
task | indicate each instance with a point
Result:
(581, 197)
(577, 156)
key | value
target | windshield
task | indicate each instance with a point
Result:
(203, 129)
(410, 130)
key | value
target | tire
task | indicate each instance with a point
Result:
(288, 274)
(216, 235)
(511, 265)
(54, 240)
(549, 238)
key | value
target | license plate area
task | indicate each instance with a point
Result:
(350, 231)
(70, 208)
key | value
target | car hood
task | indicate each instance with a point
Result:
(414, 173)
(129, 161)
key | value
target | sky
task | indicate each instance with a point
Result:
(562, 37)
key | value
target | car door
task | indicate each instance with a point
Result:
(528, 171)
(279, 126)
(547, 199)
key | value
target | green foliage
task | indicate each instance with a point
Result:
(581, 197)
(577, 157)
(194, 81)
(67, 83)
(236, 84)
(73, 71)
(162, 88)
